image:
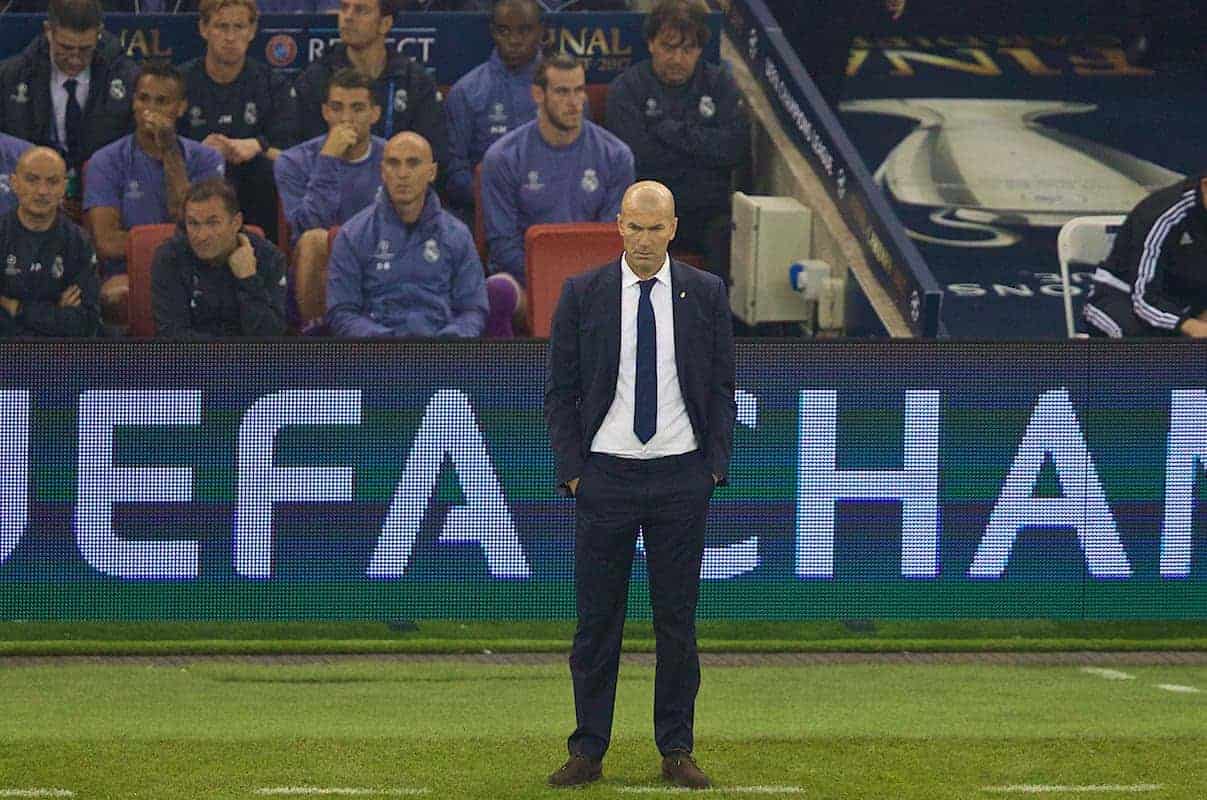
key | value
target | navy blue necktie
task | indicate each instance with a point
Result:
(645, 395)
(73, 124)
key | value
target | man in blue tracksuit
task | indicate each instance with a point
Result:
(557, 168)
(324, 181)
(494, 97)
(11, 149)
(405, 267)
(686, 123)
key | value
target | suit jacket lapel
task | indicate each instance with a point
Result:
(43, 108)
(679, 312)
(609, 287)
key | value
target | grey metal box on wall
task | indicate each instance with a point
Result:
(769, 234)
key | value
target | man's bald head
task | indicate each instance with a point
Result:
(648, 196)
(407, 169)
(647, 224)
(40, 158)
(39, 181)
(410, 142)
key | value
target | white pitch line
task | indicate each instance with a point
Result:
(1173, 687)
(36, 793)
(1109, 674)
(341, 791)
(1031, 788)
(722, 789)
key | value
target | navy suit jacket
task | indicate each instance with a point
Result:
(584, 361)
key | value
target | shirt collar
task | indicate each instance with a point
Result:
(368, 153)
(57, 76)
(628, 277)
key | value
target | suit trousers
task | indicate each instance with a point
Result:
(667, 500)
(256, 188)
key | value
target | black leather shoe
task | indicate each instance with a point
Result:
(577, 771)
(681, 769)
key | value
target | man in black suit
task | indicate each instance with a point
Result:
(639, 400)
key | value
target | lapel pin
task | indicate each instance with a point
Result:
(682, 295)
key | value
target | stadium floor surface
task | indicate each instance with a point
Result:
(226, 728)
(984, 122)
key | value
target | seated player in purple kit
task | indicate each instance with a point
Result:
(324, 181)
(141, 178)
(558, 168)
(494, 97)
(405, 267)
(406, 94)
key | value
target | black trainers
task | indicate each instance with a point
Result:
(681, 769)
(577, 771)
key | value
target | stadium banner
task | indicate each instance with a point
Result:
(1033, 17)
(448, 44)
(821, 140)
(385, 480)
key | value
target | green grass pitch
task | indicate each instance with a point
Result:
(448, 729)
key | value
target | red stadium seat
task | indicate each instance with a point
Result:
(553, 253)
(597, 95)
(141, 245)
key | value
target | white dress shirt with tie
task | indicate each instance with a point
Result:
(674, 434)
(58, 99)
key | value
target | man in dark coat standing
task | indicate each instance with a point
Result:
(639, 400)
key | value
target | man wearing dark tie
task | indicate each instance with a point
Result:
(639, 399)
(70, 89)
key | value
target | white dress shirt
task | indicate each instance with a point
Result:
(58, 98)
(674, 434)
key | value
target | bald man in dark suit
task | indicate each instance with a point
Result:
(639, 400)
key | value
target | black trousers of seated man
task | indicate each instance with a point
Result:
(706, 231)
(255, 187)
(667, 499)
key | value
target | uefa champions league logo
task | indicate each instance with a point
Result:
(962, 162)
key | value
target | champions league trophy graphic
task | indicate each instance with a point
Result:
(983, 165)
